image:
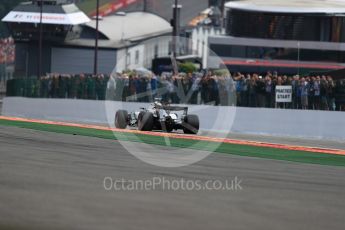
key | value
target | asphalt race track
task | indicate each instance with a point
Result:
(55, 181)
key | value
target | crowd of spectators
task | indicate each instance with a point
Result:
(7, 51)
(60, 86)
(214, 88)
(310, 92)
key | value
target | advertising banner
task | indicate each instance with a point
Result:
(283, 93)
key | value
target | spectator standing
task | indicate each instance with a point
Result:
(252, 92)
(204, 90)
(304, 89)
(340, 95)
(91, 87)
(231, 89)
(125, 90)
(111, 86)
(260, 92)
(55, 86)
(62, 93)
(244, 93)
(183, 86)
(175, 94)
(71, 87)
(324, 93)
(317, 93)
(288, 82)
(331, 94)
(149, 89)
(138, 88)
(143, 90)
(224, 91)
(311, 93)
(195, 89)
(239, 89)
(214, 90)
(269, 92)
(154, 84)
(132, 88)
(44, 87)
(295, 92)
(170, 88)
(279, 82)
(163, 86)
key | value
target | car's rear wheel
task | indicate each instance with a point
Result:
(121, 118)
(145, 121)
(191, 124)
(168, 128)
(168, 125)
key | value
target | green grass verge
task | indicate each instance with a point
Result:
(241, 150)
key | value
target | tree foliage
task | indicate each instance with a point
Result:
(187, 67)
(221, 72)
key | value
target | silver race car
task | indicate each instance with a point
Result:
(159, 116)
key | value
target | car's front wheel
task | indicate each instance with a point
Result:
(191, 124)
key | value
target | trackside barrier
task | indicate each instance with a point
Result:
(275, 122)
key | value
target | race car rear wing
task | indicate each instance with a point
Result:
(174, 108)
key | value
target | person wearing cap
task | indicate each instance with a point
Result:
(260, 92)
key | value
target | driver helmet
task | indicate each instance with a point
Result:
(158, 104)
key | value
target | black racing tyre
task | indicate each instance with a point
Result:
(169, 128)
(121, 118)
(168, 125)
(191, 124)
(145, 121)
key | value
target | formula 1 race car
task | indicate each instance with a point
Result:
(159, 117)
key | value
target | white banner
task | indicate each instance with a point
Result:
(283, 93)
(47, 18)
